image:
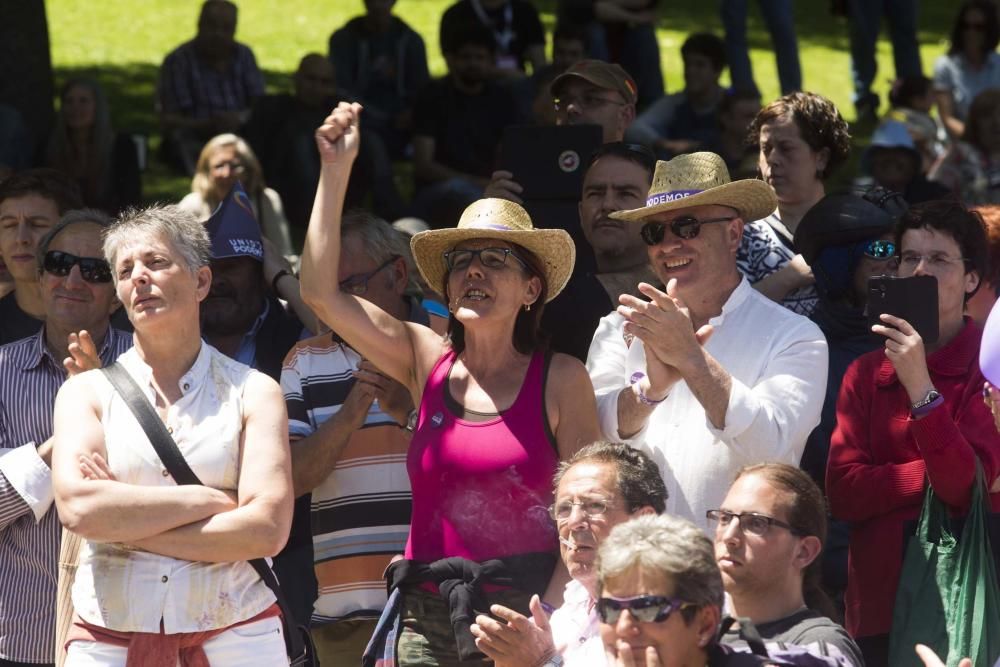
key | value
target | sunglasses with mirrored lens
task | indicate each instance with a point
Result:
(880, 249)
(644, 608)
(92, 269)
(685, 227)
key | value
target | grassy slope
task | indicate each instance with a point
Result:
(124, 42)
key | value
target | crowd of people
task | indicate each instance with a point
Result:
(657, 422)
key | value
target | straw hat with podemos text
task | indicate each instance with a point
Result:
(496, 219)
(702, 179)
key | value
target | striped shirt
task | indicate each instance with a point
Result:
(29, 527)
(190, 87)
(361, 511)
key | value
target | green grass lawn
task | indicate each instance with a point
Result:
(123, 43)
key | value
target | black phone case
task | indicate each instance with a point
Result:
(913, 299)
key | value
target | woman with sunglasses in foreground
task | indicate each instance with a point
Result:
(495, 413)
(910, 413)
(661, 597)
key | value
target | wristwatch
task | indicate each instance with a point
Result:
(924, 406)
(555, 660)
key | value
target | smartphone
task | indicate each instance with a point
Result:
(913, 299)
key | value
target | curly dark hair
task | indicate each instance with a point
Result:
(819, 123)
(991, 26)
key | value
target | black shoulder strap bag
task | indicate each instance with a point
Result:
(298, 643)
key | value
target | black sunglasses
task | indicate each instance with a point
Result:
(491, 258)
(644, 608)
(685, 227)
(92, 269)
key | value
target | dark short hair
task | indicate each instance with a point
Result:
(74, 217)
(907, 88)
(637, 153)
(470, 34)
(639, 479)
(953, 218)
(46, 183)
(992, 33)
(571, 32)
(527, 336)
(209, 4)
(733, 97)
(818, 120)
(983, 104)
(708, 45)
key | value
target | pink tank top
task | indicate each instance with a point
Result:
(481, 490)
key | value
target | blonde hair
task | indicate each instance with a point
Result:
(253, 175)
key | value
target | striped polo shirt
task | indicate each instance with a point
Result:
(361, 511)
(29, 526)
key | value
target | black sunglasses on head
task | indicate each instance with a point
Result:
(685, 227)
(92, 269)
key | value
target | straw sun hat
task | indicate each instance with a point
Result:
(702, 179)
(496, 219)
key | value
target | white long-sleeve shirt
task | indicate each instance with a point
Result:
(778, 364)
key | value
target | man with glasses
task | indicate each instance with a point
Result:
(349, 428)
(603, 485)
(77, 296)
(707, 375)
(769, 534)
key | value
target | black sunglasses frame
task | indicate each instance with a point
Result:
(351, 284)
(478, 254)
(93, 270)
(685, 227)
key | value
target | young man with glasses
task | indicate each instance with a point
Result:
(349, 428)
(708, 375)
(912, 413)
(77, 295)
(769, 534)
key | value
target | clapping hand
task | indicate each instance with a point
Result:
(624, 656)
(83, 354)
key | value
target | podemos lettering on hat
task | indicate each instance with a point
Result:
(663, 197)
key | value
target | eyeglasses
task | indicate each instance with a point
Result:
(92, 269)
(880, 249)
(937, 261)
(234, 166)
(585, 102)
(750, 522)
(358, 283)
(491, 258)
(644, 608)
(685, 227)
(592, 508)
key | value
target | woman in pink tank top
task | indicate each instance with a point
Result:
(495, 416)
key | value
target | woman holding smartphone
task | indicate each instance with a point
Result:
(911, 411)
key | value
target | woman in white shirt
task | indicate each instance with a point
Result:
(163, 575)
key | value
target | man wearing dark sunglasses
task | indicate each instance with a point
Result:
(77, 297)
(705, 375)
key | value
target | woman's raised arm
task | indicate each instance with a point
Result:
(404, 351)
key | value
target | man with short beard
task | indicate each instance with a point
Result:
(617, 179)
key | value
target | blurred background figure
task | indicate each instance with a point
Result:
(84, 146)
(15, 141)
(281, 129)
(971, 65)
(687, 121)
(534, 100)
(912, 99)
(865, 22)
(893, 162)
(737, 110)
(224, 160)
(780, 23)
(971, 167)
(382, 61)
(518, 35)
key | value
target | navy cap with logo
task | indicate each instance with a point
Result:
(233, 228)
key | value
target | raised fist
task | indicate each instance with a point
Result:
(339, 136)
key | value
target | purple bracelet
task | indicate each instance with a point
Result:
(645, 400)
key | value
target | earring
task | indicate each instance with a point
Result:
(527, 308)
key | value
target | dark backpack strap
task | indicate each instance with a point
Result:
(151, 424)
(173, 460)
(749, 634)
